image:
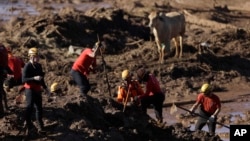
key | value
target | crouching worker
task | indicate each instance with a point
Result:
(15, 77)
(129, 89)
(33, 79)
(209, 107)
(153, 94)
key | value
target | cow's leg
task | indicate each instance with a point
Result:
(163, 46)
(159, 50)
(181, 46)
(176, 47)
(162, 55)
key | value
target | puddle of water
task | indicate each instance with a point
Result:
(229, 109)
(8, 9)
(171, 119)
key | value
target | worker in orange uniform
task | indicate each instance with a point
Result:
(129, 88)
(209, 107)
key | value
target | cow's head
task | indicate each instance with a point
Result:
(154, 18)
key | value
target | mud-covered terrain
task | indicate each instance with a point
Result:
(121, 25)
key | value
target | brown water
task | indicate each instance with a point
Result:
(223, 132)
(9, 9)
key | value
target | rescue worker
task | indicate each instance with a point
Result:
(3, 74)
(129, 88)
(33, 79)
(15, 77)
(81, 68)
(153, 94)
(209, 107)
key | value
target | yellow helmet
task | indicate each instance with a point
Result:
(54, 87)
(205, 88)
(125, 74)
(32, 51)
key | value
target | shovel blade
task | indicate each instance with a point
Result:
(173, 109)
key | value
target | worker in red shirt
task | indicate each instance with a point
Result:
(129, 88)
(153, 94)
(15, 77)
(209, 107)
(85, 63)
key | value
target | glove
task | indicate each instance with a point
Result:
(38, 78)
(191, 112)
(211, 118)
(136, 99)
(97, 44)
(10, 76)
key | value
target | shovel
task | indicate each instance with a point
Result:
(126, 100)
(174, 109)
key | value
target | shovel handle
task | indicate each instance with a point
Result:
(202, 116)
(126, 100)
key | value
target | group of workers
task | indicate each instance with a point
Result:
(130, 90)
(32, 79)
(29, 77)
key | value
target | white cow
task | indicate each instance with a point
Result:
(166, 27)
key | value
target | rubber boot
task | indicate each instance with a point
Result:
(40, 128)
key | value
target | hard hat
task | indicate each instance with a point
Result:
(54, 87)
(32, 51)
(205, 88)
(140, 73)
(125, 74)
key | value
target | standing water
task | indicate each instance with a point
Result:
(223, 132)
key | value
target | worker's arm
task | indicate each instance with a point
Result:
(194, 107)
(95, 50)
(217, 112)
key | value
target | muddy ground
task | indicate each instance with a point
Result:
(122, 26)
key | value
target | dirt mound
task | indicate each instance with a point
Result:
(129, 44)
